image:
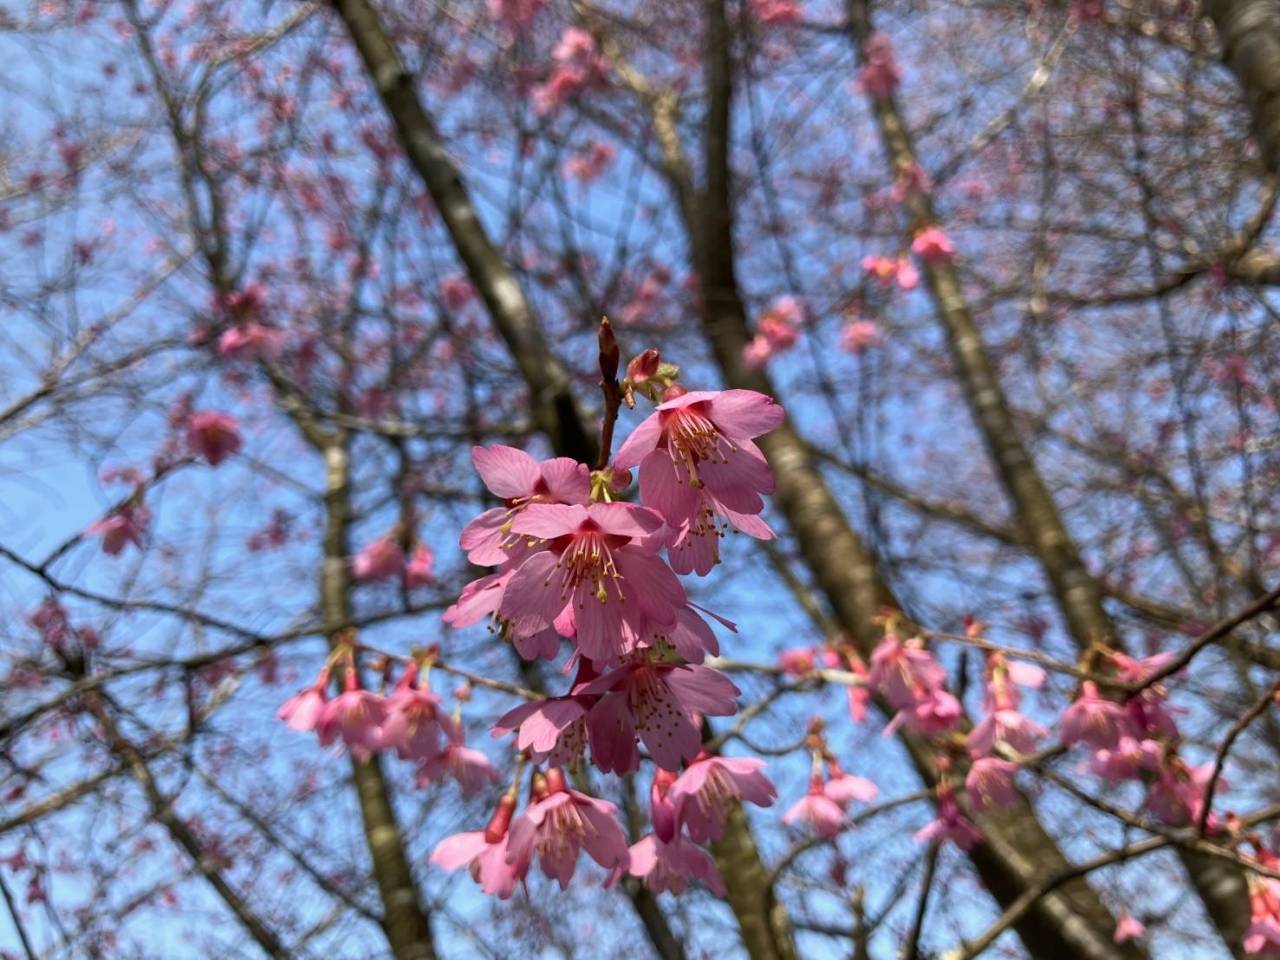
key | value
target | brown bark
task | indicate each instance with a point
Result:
(1221, 885)
(1071, 921)
(405, 920)
(1249, 34)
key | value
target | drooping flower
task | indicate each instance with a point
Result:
(658, 702)
(420, 571)
(125, 525)
(381, 559)
(935, 712)
(1262, 938)
(702, 793)
(951, 824)
(1127, 760)
(520, 481)
(213, 435)
(304, 709)
(890, 270)
(904, 672)
(251, 341)
(1093, 719)
(1149, 712)
(846, 788)
(416, 726)
(858, 336)
(880, 73)
(485, 853)
(698, 444)
(668, 866)
(776, 12)
(1177, 797)
(816, 811)
(600, 566)
(933, 246)
(1129, 927)
(1005, 728)
(561, 823)
(990, 783)
(470, 768)
(554, 729)
(355, 716)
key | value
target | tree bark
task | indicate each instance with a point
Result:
(1249, 33)
(405, 921)
(1070, 922)
(1221, 885)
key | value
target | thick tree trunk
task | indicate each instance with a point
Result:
(404, 918)
(1072, 921)
(1249, 32)
(1221, 885)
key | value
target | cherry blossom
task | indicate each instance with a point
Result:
(125, 525)
(668, 866)
(213, 435)
(703, 792)
(559, 824)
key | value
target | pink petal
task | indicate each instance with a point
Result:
(546, 521)
(567, 480)
(506, 471)
(643, 440)
(742, 414)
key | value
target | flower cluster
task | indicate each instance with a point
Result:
(410, 721)
(574, 563)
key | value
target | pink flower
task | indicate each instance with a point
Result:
(1178, 795)
(457, 292)
(420, 571)
(858, 336)
(471, 768)
(1093, 719)
(1263, 934)
(521, 481)
(757, 352)
(213, 435)
(904, 672)
(845, 788)
(704, 791)
(1126, 761)
(516, 14)
(485, 853)
(643, 367)
(304, 709)
(880, 73)
(658, 701)
(600, 568)
(937, 711)
(888, 270)
(356, 717)
(1128, 927)
(776, 12)
(951, 824)
(251, 341)
(416, 726)
(989, 783)
(562, 823)
(1148, 711)
(380, 560)
(817, 811)
(1006, 728)
(587, 167)
(798, 661)
(695, 448)
(933, 246)
(554, 729)
(669, 866)
(126, 525)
